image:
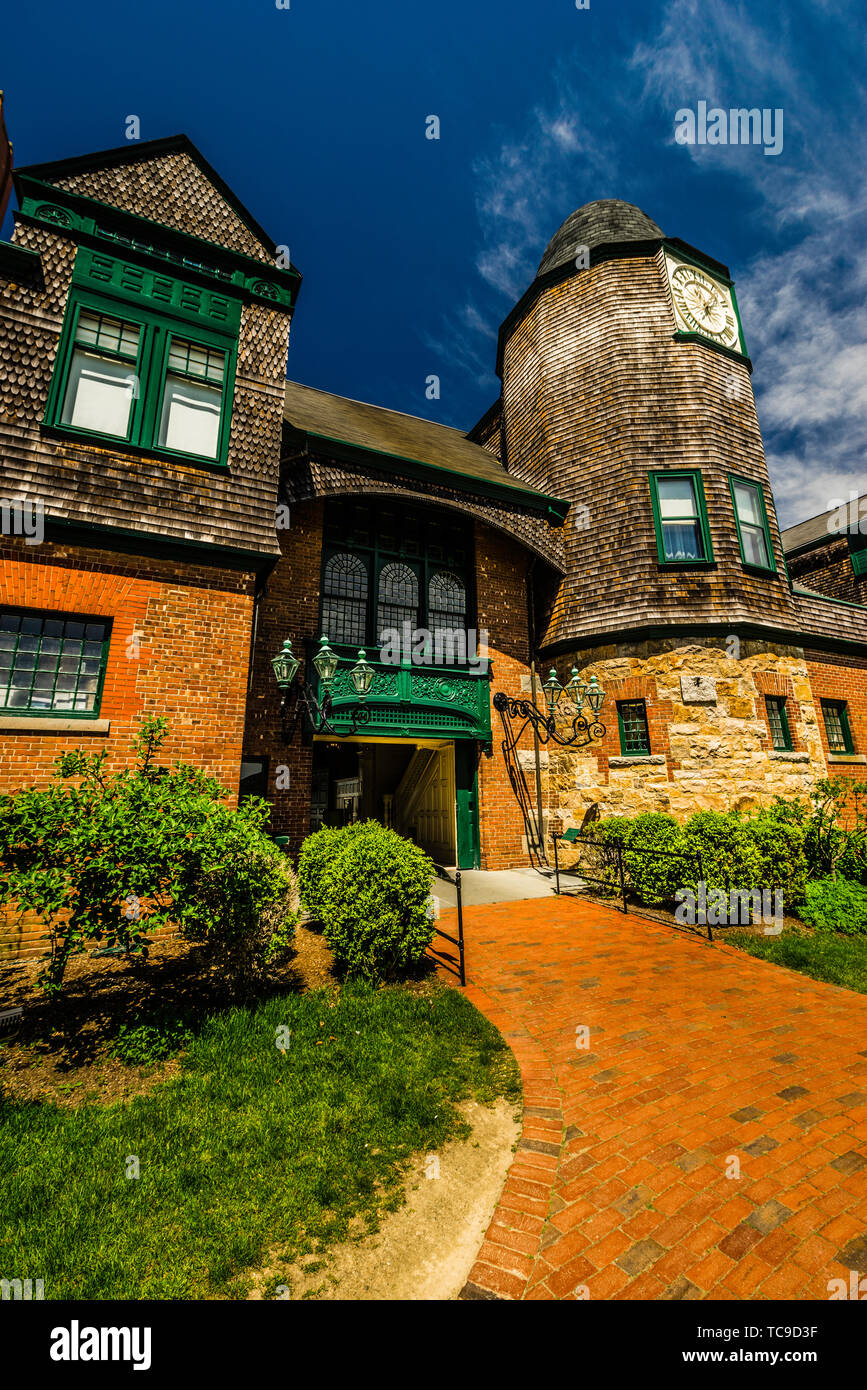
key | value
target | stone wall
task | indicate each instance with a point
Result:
(709, 736)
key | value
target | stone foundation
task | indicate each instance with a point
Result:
(709, 736)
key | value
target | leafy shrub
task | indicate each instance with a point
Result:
(660, 856)
(161, 1036)
(375, 896)
(652, 857)
(835, 904)
(107, 858)
(317, 854)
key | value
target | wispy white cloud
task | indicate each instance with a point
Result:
(802, 294)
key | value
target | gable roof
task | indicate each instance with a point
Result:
(816, 530)
(408, 439)
(141, 151)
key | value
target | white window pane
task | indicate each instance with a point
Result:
(191, 418)
(676, 497)
(748, 505)
(98, 395)
(755, 548)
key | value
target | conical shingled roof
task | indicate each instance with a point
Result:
(598, 224)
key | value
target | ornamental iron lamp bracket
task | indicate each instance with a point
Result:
(585, 728)
(298, 698)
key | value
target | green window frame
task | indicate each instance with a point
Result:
(835, 714)
(371, 547)
(680, 517)
(177, 374)
(751, 520)
(52, 663)
(634, 730)
(858, 554)
(778, 723)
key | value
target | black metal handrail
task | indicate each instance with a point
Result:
(618, 847)
(455, 940)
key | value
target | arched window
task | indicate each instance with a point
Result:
(398, 599)
(344, 599)
(446, 601)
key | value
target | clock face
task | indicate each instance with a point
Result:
(702, 305)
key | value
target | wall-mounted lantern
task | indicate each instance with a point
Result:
(297, 696)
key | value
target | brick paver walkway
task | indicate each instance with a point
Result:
(701, 1063)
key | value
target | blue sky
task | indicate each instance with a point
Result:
(414, 250)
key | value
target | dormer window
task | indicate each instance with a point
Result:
(146, 362)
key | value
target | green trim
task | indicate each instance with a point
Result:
(88, 220)
(701, 506)
(626, 751)
(139, 152)
(841, 708)
(758, 487)
(800, 591)
(679, 336)
(62, 615)
(152, 545)
(467, 804)
(554, 508)
(778, 702)
(156, 330)
(748, 631)
(408, 701)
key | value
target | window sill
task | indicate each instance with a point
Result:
(637, 760)
(42, 724)
(111, 444)
(847, 757)
(788, 755)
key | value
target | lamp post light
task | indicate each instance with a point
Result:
(585, 728)
(297, 696)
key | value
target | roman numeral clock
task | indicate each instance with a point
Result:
(704, 305)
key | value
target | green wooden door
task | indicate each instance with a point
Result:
(467, 800)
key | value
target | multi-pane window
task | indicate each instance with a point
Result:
(836, 716)
(634, 733)
(778, 723)
(397, 599)
(682, 533)
(447, 601)
(127, 375)
(752, 522)
(389, 563)
(344, 599)
(51, 664)
(102, 381)
(192, 399)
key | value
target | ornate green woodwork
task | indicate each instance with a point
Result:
(100, 227)
(416, 701)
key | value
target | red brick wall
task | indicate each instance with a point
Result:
(837, 677)
(193, 626)
(501, 590)
(659, 713)
(288, 607)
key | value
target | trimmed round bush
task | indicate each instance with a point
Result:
(835, 904)
(374, 896)
(317, 854)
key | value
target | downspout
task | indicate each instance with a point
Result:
(531, 634)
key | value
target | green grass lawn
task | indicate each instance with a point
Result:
(837, 959)
(248, 1149)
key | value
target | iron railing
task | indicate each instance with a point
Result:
(445, 958)
(614, 850)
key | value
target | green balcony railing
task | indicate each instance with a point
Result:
(409, 701)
